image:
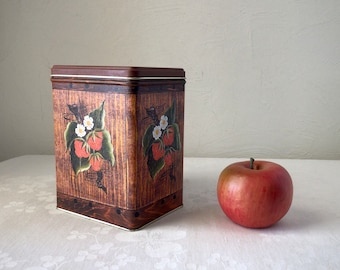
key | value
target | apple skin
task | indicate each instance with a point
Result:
(255, 198)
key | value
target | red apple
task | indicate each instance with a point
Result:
(255, 194)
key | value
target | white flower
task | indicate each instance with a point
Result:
(164, 122)
(88, 122)
(80, 130)
(157, 132)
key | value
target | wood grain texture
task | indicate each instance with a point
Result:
(131, 219)
(129, 185)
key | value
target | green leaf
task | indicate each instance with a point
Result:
(155, 166)
(79, 164)
(107, 148)
(176, 145)
(147, 139)
(171, 114)
(98, 116)
(70, 134)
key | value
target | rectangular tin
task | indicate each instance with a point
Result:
(119, 142)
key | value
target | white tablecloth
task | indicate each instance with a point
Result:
(35, 235)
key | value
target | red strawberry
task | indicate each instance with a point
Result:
(81, 149)
(96, 162)
(168, 137)
(157, 150)
(168, 159)
(95, 140)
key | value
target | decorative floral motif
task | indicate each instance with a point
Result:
(20, 207)
(161, 140)
(85, 255)
(96, 231)
(88, 142)
(119, 261)
(166, 248)
(80, 130)
(198, 237)
(157, 132)
(6, 261)
(88, 122)
(52, 261)
(76, 235)
(52, 210)
(45, 196)
(163, 123)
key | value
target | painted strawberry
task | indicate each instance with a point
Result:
(96, 162)
(81, 149)
(157, 150)
(168, 159)
(95, 140)
(168, 137)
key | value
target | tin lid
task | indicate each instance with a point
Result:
(115, 73)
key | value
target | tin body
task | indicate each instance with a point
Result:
(118, 142)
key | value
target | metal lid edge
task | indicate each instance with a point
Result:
(120, 78)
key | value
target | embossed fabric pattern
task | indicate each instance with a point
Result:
(36, 236)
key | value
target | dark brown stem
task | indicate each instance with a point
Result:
(252, 163)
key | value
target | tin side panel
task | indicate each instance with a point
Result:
(95, 165)
(160, 156)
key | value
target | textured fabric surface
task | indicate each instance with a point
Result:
(36, 235)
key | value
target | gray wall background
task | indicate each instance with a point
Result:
(263, 77)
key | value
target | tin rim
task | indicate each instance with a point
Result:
(118, 78)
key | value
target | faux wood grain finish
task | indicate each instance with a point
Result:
(125, 218)
(128, 183)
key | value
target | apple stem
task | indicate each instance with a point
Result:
(252, 163)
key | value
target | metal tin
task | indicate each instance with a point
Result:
(119, 142)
